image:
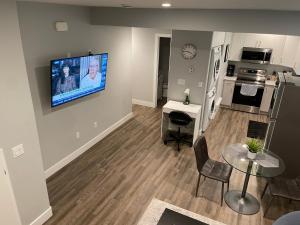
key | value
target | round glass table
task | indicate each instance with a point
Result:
(266, 164)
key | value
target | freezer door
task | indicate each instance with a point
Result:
(285, 136)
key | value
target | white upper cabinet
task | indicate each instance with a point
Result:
(237, 44)
(290, 50)
(284, 47)
(218, 39)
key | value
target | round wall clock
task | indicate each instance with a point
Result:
(189, 51)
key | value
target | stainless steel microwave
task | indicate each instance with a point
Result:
(256, 55)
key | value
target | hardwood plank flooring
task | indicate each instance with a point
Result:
(113, 182)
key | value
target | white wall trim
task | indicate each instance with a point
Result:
(65, 161)
(43, 217)
(218, 103)
(143, 103)
(156, 60)
(3, 165)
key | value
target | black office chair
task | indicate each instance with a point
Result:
(180, 119)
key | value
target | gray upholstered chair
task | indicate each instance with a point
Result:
(209, 168)
(283, 188)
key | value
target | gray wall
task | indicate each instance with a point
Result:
(249, 21)
(143, 47)
(18, 125)
(57, 127)
(179, 66)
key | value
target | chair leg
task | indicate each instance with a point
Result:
(198, 182)
(222, 194)
(228, 186)
(268, 206)
(178, 141)
(264, 191)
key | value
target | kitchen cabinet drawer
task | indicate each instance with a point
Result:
(228, 88)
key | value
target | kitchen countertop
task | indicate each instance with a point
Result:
(230, 78)
(270, 83)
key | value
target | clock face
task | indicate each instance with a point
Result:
(189, 51)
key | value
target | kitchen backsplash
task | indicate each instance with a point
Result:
(269, 67)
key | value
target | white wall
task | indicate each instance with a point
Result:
(57, 127)
(248, 21)
(18, 125)
(143, 49)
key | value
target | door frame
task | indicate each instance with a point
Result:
(156, 64)
(4, 169)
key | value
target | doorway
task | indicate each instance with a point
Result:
(163, 49)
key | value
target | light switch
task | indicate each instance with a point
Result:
(181, 82)
(18, 150)
(61, 26)
(200, 84)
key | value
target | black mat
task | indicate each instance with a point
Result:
(257, 129)
(169, 217)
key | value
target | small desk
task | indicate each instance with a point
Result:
(192, 110)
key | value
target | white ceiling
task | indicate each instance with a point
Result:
(199, 4)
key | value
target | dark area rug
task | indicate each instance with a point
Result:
(170, 217)
(257, 129)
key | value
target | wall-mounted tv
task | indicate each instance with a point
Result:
(73, 78)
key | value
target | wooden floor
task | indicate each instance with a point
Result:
(113, 182)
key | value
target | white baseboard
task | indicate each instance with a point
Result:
(143, 103)
(43, 217)
(59, 165)
(218, 103)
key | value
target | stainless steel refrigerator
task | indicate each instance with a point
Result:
(283, 134)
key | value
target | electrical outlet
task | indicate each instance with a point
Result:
(200, 84)
(95, 124)
(180, 81)
(77, 134)
(18, 150)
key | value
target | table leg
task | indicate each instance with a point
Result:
(246, 181)
(196, 128)
(241, 201)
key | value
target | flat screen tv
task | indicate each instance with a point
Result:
(73, 78)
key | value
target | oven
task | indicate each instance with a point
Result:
(253, 77)
(247, 103)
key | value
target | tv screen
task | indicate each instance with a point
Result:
(73, 78)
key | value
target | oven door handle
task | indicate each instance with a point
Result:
(257, 85)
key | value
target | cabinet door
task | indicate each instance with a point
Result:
(266, 99)
(236, 46)
(227, 93)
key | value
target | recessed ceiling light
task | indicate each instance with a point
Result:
(166, 5)
(126, 6)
